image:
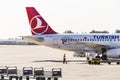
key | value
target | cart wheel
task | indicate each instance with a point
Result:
(27, 78)
(89, 62)
(55, 78)
(49, 79)
(109, 63)
(37, 78)
(95, 62)
(20, 78)
(17, 78)
(10, 78)
(44, 79)
(98, 63)
(2, 77)
(118, 63)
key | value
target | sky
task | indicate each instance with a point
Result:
(77, 15)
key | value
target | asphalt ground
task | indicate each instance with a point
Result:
(48, 58)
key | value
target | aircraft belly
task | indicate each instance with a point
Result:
(72, 47)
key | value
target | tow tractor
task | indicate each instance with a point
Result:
(96, 59)
(93, 59)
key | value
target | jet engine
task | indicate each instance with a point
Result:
(113, 53)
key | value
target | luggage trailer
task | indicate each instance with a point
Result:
(38, 73)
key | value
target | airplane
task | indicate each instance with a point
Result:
(43, 34)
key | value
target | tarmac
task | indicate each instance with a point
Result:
(48, 58)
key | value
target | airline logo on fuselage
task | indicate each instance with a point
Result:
(38, 26)
(106, 36)
(65, 40)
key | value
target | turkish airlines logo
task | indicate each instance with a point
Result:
(38, 25)
(65, 40)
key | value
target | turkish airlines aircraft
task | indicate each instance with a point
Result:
(43, 34)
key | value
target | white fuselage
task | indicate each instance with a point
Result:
(71, 41)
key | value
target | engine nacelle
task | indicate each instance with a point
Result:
(113, 53)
